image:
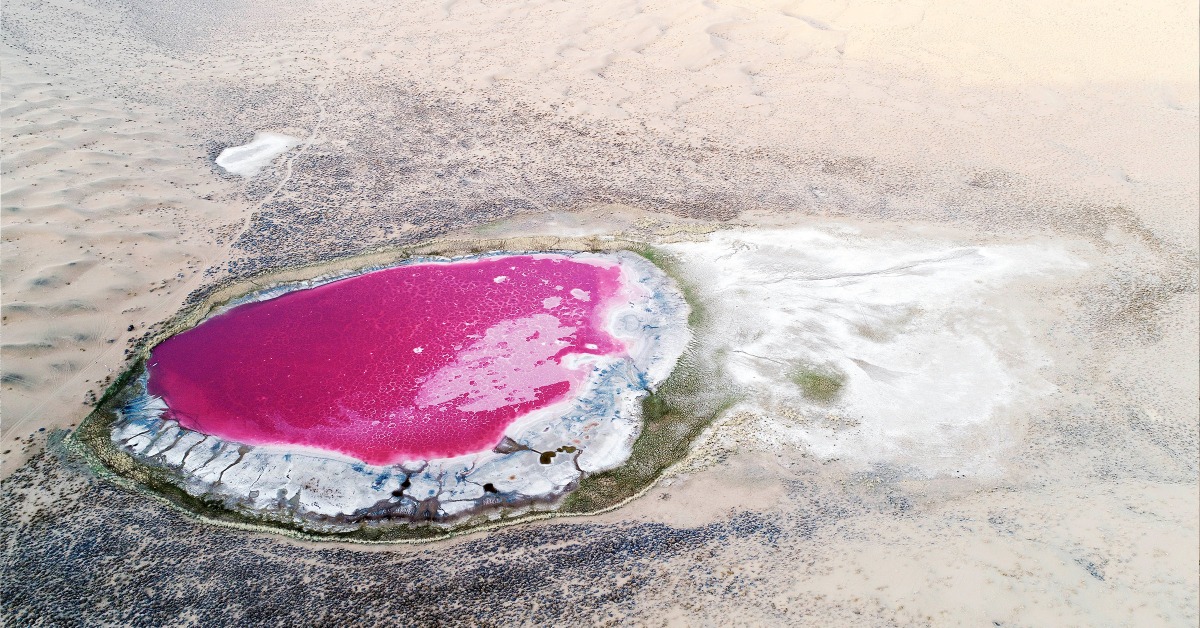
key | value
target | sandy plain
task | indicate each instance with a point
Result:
(940, 126)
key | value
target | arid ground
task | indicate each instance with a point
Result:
(946, 251)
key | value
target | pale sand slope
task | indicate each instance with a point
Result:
(1099, 100)
(104, 212)
(1072, 125)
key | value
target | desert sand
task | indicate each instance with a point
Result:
(983, 215)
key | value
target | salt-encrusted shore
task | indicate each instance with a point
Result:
(542, 456)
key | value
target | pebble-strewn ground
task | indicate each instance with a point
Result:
(94, 554)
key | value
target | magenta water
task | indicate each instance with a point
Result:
(408, 363)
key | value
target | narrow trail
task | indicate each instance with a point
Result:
(287, 175)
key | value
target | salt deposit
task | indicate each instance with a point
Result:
(248, 159)
(871, 350)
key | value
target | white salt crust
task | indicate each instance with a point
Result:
(248, 159)
(930, 361)
(324, 491)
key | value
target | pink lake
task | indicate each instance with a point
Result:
(414, 362)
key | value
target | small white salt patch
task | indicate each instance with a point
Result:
(418, 349)
(500, 279)
(592, 346)
(582, 295)
(248, 159)
(551, 302)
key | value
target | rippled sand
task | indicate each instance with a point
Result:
(981, 215)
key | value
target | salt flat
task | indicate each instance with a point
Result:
(923, 359)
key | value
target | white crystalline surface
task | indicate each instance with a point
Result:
(929, 359)
(497, 358)
(590, 432)
(248, 159)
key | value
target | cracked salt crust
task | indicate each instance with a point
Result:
(543, 455)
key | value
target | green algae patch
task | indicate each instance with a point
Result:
(818, 384)
(698, 316)
(672, 418)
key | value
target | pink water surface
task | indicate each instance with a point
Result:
(408, 363)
